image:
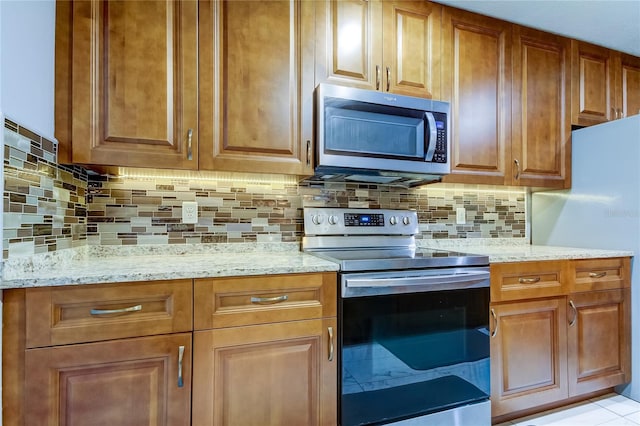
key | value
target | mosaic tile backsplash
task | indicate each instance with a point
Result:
(44, 205)
(49, 207)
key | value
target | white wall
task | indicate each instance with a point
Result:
(27, 42)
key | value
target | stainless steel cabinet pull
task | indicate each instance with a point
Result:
(189, 146)
(330, 330)
(388, 78)
(495, 323)
(180, 357)
(116, 311)
(597, 274)
(517, 163)
(377, 77)
(575, 313)
(276, 299)
(308, 153)
(529, 280)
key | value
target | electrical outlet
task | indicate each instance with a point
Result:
(461, 216)
(189, 212)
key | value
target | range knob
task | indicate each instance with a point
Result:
(333, 219)
(406, 220)
(393, 220)
(317, 219)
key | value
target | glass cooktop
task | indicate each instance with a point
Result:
(377, 259)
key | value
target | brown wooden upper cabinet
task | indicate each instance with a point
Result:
(256, 86)
(209, 85)
(540, 119)
(476, 79)
(126, 83)
(628, 88)
(605, 84)
(391, 46)
(509, 93)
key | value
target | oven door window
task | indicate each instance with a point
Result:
(413, 354)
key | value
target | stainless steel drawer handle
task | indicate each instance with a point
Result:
(575, 313)
(276, 299)
(116, 311)
(517, 163)
(180, 358)
(330, 330)
(597, 274)
(377, 77)
(495, 323)
(529, 280)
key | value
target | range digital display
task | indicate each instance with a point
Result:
(363, 219)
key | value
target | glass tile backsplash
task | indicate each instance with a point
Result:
(49, 207)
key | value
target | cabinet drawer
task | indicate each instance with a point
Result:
(75, 314)
(527, 280)
(230, 302)
(600, 274)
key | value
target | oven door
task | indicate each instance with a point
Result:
(408, 352)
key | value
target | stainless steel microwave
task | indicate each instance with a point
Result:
(370, 136)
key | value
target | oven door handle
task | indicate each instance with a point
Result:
(438, 282)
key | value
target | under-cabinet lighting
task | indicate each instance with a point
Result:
(459, 187)
(226, 177)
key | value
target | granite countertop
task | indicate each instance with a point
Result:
(503, 250)
(107, 264)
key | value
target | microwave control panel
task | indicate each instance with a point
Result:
(440, 155)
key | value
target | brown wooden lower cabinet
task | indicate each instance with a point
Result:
(528, 355)
(561, 331)
(127, 382)
(272, 374)
(598, 340)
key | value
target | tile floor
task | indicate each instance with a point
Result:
(607, 410)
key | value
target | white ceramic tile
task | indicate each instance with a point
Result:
(584, 414)
(620, 421)
(634, 417)
(618, 404)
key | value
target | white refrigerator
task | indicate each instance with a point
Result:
(601, 210)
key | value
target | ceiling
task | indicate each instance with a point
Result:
(611, 23)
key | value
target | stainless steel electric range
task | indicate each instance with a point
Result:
(413, 322)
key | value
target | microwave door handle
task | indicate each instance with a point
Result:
(433, 136)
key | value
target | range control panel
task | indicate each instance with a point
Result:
(335, 221)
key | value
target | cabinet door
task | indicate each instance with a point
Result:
(256, 94)
(528, 355)
(541, 130)
(274, 374)
(349, 43)
(411, 51)
(628, 95)
(476, 79)
(127, 382)
(592, 94)
(134, 84)
(598, 340)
